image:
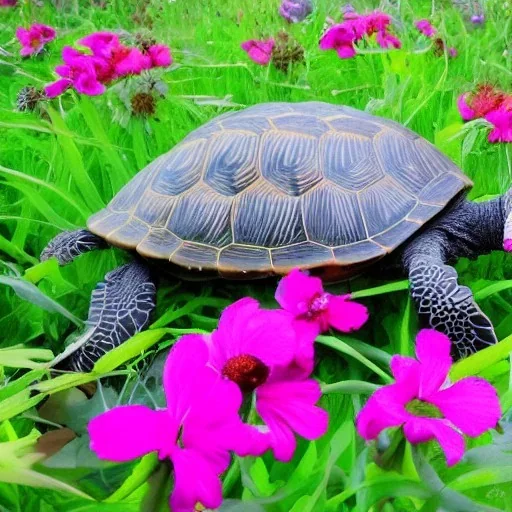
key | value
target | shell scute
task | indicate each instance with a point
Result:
(265, 218)
(349, 125)
(400, 159)
(233, 163)
(181, 169)
(159, 243)
(384, 204)
(349, 161)
(289, 161)
(299, 123)
(332, 216)
(202, 215)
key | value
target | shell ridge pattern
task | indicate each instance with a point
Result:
(299, 181)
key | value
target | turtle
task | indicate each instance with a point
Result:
(257, 192)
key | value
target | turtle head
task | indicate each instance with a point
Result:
(507, 232)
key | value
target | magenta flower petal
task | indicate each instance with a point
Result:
(294, 292)
(501, 118)
(101, 43)
(23, 36)
(195, 481)
(186, 359)
(433, 352)
(70, 56)
(244, 328)
(337, 37)
(425, 28)
(127, 432)
(421, 430)
(57, 88)
(386, 40)
(405, 368)
(345, 315)
(160, 55)
(259, 52)
(471, 404)
(384, 409)
(466, 112)
(507, 245)
(45, 32)
(87, 83)
(346, 52)
(294, 404)
(64, 71)
(132, 63)
(213, 426)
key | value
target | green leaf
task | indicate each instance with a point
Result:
(397, 286)
(481, 360)
(31, 293)
(24, 357)
(128, 350)
(482, 477)
(343, 348)
(140, 474)
(350, 387)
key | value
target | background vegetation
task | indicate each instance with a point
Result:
(66, 160)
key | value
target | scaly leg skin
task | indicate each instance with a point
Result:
(68, 245)
(120, 307)
(448, 307)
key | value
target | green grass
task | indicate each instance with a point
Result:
(58, 168)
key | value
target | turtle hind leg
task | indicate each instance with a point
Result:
(121, 306)
(446, 306)
(68, 245)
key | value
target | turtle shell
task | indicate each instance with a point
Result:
(282, 185)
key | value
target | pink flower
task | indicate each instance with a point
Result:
(256, 349)
(425, 28)
(345, 35)
(129, 61)
(376, 21)
(453, 52)
(101, 44)
(501, 118)
(259, 51)
(426, 404)
(316, 310)
(340, 37)
(486, 99)
(466, 112)
(295, 11)
(387, 40)
(160, 55)
(78, 72)
(8, 3)
(34, 38)
(196, 430)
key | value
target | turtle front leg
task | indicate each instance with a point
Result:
(68, 245)
(446, 306)
(120, 307)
